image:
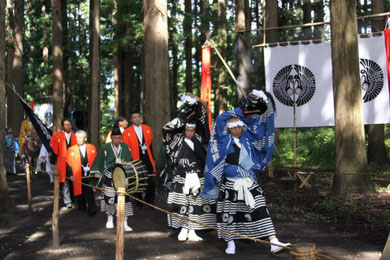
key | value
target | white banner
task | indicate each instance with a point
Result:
(45, 113)
(309, 68)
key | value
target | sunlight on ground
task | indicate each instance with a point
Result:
(37, 235)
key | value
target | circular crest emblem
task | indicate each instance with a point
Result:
(290, 77)
(371, 79)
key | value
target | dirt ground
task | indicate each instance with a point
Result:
(28, 234)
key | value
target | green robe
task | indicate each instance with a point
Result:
(106, 160)
(103, 165)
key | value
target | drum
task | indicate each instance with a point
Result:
(133, 176)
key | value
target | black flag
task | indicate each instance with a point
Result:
(42, 130)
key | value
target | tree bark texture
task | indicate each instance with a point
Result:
(271, 20)
(376, 133)
(94, 113)
(10, 52)
(156, 93)
(67, 90)
(220, 104)
(115, 60)
(318, 8)
(58, 101)
(187, 29)
(306, 31)
(351, 158)
(16, 73)
(6, 203)
(175, 60)
(243, 49)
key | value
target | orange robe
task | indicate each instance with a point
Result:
(108, 138)
(58, 144)
(73, 159)
(25, 129)
(129, 137)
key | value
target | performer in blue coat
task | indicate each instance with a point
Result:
(11, 151)
(241, 146)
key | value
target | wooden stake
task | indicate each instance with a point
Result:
(120, 218)
(28, 179)
(386, 250)
(270, 170)
(54, 225)
(303, 251)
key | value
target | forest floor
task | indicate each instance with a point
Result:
(348, 227)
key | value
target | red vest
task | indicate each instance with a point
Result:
(129, 137)
(58, 144)
(73, 159)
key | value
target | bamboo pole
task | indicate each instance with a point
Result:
(120, 218)
(295, 123)
(54, 225)
(28, 179)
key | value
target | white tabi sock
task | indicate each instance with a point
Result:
(126, 227)
(110, 221)
(192, 236)
(275, 249)
(231, 248)
(183, 234)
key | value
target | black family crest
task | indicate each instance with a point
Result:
(371, 79)
(288, 77)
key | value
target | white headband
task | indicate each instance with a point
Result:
(234, 124)
(188, 125)
(260, 94)
(188, 99)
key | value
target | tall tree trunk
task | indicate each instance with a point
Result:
(187, 29)
(45, 47)
(319, 13)
(128, 86)
(220, 104)
(67, 92)
(306, 31)
(157, 109)
(10, 56)
(94, 112)
(175, 59)
(271, 20)
(58, 101)
(6, 203)
(14, 109)
(115, 60)
(243, 48)
(376, 133)
(351, 158)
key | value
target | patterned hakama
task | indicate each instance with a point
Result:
(109, 201)
(193, 207)
(235, 216)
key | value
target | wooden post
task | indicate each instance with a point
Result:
(304, 251)
(386, 250)
(270, 170)
(54, 225)
(120, 218)
(28, 179)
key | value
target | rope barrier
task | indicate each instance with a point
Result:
(257, 240)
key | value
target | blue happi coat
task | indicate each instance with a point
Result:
(257, 139)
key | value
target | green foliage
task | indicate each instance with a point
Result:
(315, 147)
